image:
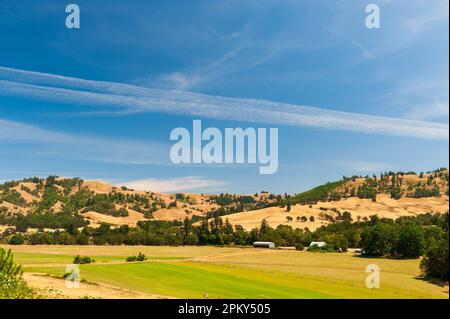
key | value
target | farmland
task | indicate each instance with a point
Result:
(220, 272)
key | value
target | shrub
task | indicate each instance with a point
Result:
(83, 260)
(16, 239)
(299, 247)
(139, 257)
(131, 258)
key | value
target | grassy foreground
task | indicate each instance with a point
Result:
(223, 272)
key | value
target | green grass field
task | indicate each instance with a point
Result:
(192, 272)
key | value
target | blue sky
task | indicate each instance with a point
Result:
(100, 102)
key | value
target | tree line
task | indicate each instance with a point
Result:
(405, 237)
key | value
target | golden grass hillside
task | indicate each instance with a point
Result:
(359, 208)
(389, 195)
(24, 197)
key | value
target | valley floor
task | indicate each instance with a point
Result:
(219, 272)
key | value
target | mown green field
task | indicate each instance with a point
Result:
(192, 272)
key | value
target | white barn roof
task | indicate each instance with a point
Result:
(318, 243)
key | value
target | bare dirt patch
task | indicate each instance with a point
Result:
(56, 288)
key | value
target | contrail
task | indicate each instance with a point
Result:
(125, 98)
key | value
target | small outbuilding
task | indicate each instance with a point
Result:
(263, 244)
(318, 244)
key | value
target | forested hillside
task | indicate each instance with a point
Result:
(71, 203)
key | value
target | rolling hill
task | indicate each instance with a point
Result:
(390, 195)
(55, 202)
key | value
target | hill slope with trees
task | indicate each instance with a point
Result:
(55, 203)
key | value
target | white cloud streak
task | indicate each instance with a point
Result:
(180, 184)
(124, 98)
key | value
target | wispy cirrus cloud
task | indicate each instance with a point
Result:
(437, 110)
(125, 98)
(43, 142)
(420, 98)
(180, 184)
(361, 166)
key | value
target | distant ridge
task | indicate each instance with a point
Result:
(54, 202)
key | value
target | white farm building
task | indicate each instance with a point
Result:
(318, 244)
(263, 244)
